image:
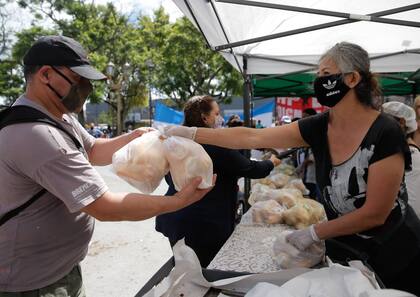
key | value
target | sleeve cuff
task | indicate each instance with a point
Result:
(88, 199)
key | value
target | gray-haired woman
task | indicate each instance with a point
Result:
(360, 159)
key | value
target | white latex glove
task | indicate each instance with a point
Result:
(302, 239)
(186, 132)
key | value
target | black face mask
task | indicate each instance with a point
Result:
(77, 95)
(330, 89)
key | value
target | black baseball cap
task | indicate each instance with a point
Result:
(56, 50)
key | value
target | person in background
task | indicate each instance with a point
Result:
(406, 117)
(208, 224)
(416, 136)
(94, 131)
(259, 125)
(285, 120)
(109, 132)
(360, 157)
(306, 163)
(234, 121)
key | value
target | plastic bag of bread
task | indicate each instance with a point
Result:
(142, 162)
(304, 213)
(279, 179)
(297, 184)
(286, 197)
(286, 256)
(256, 188)
(266, 181)
(285, 169)
(267, 212)
(187, 159)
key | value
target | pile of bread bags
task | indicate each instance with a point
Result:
(147, 159)
(279, 199)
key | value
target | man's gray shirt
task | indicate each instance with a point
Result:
(45, 241)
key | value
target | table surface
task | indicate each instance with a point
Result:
(249, 249)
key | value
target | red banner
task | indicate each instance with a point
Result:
(293, 106)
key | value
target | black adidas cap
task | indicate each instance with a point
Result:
(58, 50)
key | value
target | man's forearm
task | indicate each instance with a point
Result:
(103, 149)
(132, 206)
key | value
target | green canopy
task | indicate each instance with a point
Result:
(300, 84)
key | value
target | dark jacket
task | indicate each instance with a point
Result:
(209, 222)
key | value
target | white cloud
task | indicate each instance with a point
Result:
(22, 18)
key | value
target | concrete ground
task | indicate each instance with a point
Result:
(123, 255)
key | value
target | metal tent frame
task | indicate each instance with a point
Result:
(347, 18)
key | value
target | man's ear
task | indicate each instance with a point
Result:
(43, 74)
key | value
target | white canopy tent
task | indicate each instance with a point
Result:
(286, 36)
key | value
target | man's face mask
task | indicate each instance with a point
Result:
(77, 95)
(330, 89)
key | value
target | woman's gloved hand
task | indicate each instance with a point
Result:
(302, 239)
(182, 131)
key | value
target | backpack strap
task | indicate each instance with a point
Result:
(16, 211)
(25, 114)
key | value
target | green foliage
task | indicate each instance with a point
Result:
(183, 66)
(25, 39)
(105, 118)
(11, 82)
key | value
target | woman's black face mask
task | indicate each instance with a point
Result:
(330, 89)
(77, 95)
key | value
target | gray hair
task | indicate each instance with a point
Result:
(348, 57)
(351, 57)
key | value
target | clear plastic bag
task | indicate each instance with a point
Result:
(286, 197)
(287, 256)
(304, 213)
(267, 212)
(187, 159)
(297, 184)
(142, 162)
(279, 179)
(147, 159)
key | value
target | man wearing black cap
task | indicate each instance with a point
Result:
(41, 245)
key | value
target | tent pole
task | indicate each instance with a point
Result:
(188, 5)
(360, 17)
(224, 33)
(374, 17)
(247, 121)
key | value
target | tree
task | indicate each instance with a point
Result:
(108, 36)
(11, 74)
(185, 66)
(4, 32)
(10, 80)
